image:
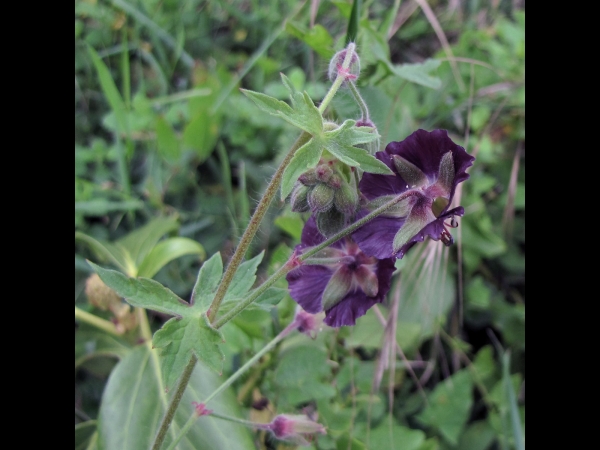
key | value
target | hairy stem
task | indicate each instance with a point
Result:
(252, 228)
(174, 403)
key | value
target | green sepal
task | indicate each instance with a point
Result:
(178, 339)
(446, 173)
(339, 285)
(415, 222)
(409, 172)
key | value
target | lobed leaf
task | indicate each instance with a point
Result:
(306, 157)
(178, 339)
(143, 292)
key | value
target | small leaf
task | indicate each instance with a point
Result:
(166, 140)
(244, 277)
(305, 115)
(166, 251)
(143, 292)
(110, 90)
(208, 280)
(105, 250)
(180, 338)
(306, 157)
(367, 162)
(141, 241)
(418, 72)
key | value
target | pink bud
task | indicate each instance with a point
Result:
(294, 427)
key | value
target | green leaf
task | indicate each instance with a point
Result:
(139, 242)
(102, 206)
(291, 224)
(110, 90)
(244, 277)
(201, 134)
(134, 402)
(449, 406)
(340, 143)
(306, 157)
(143, 292)
(178, 339)
(385, 437)
(418, 72)
(166, 251)
(207, 282)
(166, 140)
(83, 434)
(304, 114)
(106, 251)
(317, 38)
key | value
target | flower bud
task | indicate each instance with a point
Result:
(345, 199)
(298, 199)
(320, 198)
(293, 427)
(330, 222)
(307, 323)
(324, 172)
(309, 178)
(336, 65)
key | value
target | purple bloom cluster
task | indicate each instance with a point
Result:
(353, 274)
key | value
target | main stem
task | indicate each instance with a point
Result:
(240, 251)
(270, 193)
(252, 228)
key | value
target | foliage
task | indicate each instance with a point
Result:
(181, 118)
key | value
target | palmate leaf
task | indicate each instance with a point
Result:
(341, 141)
(302, 114)
(178, 339)
(189, 332)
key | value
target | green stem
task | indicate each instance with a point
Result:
(252, 228)
(96, 321)
(364, 110)
(339, 79)
(290, 265)
(247, 423)
(173, 404)
(287, 330)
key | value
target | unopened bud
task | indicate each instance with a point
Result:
(345, 199)
(298, 199)
(294, 427)
(309, 178)
(324, 173)
(320, 198)
(330, 222)
(336, 65)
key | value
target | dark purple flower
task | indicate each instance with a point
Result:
(340, 279)
(427, 166)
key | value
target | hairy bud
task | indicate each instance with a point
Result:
(320, 198)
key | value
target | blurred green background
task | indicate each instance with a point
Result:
(170, 159)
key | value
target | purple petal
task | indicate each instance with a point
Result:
(356, 304)
(307, 284)
(425, 150)
(374, 185)
(376, 237)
